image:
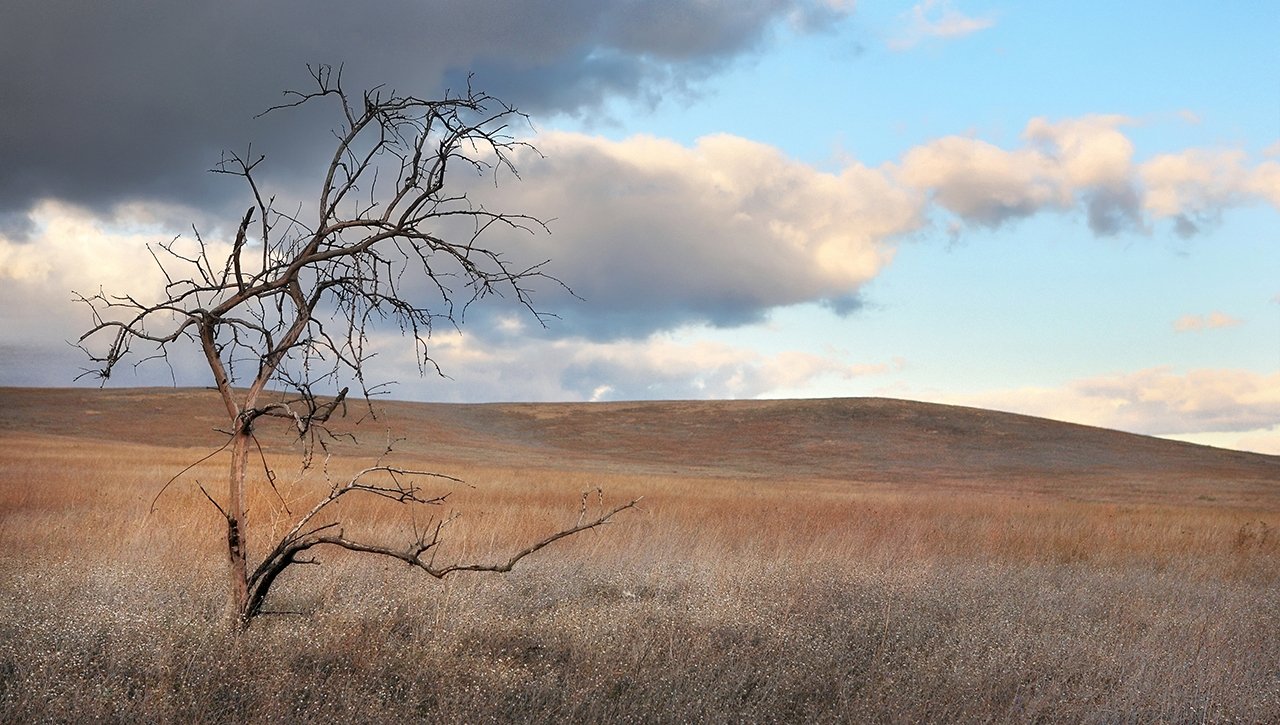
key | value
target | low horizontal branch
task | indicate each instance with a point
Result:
(413, 555)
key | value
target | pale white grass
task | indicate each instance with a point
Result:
(718, 600)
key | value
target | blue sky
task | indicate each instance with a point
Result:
(1041, 302)
(1064, 209)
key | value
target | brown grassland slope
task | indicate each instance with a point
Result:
(799, 561)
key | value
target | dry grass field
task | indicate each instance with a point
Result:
(792, 561)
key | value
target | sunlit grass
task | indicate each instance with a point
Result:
(721, 599)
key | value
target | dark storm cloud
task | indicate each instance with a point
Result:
(110, 101)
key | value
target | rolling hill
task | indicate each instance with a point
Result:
(859, 441)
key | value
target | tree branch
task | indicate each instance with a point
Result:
(298, 316)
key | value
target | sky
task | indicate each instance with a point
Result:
(1069, 210)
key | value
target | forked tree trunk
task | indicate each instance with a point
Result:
(241, 437)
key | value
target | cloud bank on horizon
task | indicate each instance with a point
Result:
(718, 260)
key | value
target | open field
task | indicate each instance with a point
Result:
(802, 561)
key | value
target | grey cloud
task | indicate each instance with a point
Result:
(993, 211)
(16, 225)
(1190, 224)
(1184, 227)
(845, 305)
(1114, 209)
(652, 235)
(696, 30)
(107, 102)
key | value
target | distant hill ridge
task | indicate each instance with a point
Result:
(865, 440)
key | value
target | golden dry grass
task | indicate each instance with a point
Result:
(749, 591)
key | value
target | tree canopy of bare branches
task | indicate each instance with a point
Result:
(290, 303)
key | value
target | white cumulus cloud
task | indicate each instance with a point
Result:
(1086, 163)
(653, 234)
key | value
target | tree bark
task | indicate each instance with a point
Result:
(237, 544)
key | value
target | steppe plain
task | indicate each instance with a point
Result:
(853, 560)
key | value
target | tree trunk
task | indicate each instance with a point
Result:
(237, 544)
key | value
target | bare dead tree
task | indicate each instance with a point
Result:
(289, 305)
